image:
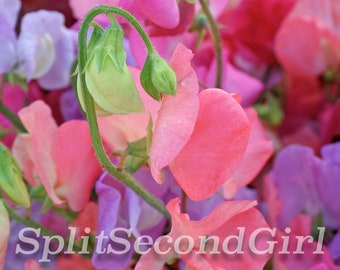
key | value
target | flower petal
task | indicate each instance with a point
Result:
(76, 163)
(177, 115)
(216, 146)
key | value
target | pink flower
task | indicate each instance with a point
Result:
(60, 158)
(201, 137)
(222, 222)
(260, 148)
(315, 25)
(4, 233)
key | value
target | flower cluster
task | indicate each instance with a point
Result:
(175, 134)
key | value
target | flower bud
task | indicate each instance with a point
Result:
(11, 181)
(107, 76)
(157, 77)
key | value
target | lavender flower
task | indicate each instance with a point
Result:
(309, 184)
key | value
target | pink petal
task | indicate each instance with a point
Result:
(32, 264)
(22, 151)
(164, 13)
(177, 115)
(42, 129)
(222, 222)
(259, 150)
(4, 234)
(81, 8)
(76, 163)
(216, 146)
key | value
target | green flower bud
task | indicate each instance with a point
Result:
(107, 76)
(157, 77)
(11, 180)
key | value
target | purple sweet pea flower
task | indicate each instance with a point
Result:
(307, 183)
(9, 10)
(119, 207)
(45, 52)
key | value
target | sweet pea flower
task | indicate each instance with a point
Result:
(263, 17)
(46, 52)
(119, 207)
(260, 148)
(187, 124)
(306, 183)
(4, 233)
(222, 222)
(14, 98)
(315, 253)
(316, 26)
(60, 158)
(164, 13)
(8, 15)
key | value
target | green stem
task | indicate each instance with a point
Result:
(32, 224)
(217, 42)
(103, 159)
(12, 117)
(27, 222)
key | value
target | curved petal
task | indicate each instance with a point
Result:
(177, 115)
(164, 13)
(42, 129)
(76, 163)
(216, 146)
(259, 150)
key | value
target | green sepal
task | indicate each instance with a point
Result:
(133, 164)
(111, 44)
(38, 192)
(47, 205)
(15, 79)
(138, 148)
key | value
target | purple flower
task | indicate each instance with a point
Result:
(309, 184)
(120, 207)
(46, 49)
(8, 15)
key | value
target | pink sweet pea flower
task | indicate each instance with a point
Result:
(4, 234)
(316, 27)
(61, 158)
(262, 17)
(260, 148)
(212, 123)
(225, 220)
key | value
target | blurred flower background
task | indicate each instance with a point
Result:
(251, 138)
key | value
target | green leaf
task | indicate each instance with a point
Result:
(11, 180)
